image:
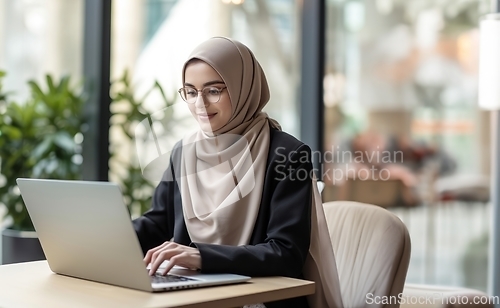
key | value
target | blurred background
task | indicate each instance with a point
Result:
(400, 124)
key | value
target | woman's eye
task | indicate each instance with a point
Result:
(213, 91)
(191, 92)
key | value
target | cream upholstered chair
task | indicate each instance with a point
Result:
(372, 252)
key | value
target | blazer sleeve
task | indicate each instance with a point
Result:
(157, 225)
(285, 249)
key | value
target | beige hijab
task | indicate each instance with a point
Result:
(222, 172)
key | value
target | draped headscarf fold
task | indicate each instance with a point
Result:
(222, 172)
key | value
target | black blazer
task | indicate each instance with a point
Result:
(280, 240)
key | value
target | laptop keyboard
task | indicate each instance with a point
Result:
(158, 278)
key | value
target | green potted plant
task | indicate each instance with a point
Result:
(39, 138)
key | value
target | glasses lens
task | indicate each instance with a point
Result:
(189, 95)
(211, 94)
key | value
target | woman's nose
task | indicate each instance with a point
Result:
(200, 101)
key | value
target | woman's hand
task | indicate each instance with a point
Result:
(177, 254)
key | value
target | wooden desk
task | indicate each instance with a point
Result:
(32, 284)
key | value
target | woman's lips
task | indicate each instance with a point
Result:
(206, 116)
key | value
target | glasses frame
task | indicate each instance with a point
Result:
(201, 92)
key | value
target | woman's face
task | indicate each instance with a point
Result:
(210, 117)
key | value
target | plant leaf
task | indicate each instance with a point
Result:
(64, 141)
(42, 149)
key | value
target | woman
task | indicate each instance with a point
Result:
(237, 195)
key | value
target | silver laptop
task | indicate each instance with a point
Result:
(86, 232)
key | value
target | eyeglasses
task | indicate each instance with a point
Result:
(210, 94)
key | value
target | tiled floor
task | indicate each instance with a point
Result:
(449, 243)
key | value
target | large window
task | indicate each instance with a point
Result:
(401, 78)
(39, 37)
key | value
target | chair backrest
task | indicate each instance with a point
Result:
(372, 251)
